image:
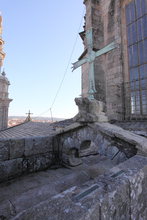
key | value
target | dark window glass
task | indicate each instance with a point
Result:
(134, 33)
(140, 7)
(141, 54)
(141, 23)
(136, 19)
(145, 51)
(134, 75)
(143, 71)
(130, 12)
(140, 31)
(132, 102)
(137, 109)
(129, 35)
(130, 56)
(144, 109)
(137, 85)
(143, 7)
(144, 25)
(143, 83)
(133, 55)
(144, 101)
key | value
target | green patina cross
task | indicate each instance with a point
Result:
(90, 57)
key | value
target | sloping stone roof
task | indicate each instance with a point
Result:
(29, 129)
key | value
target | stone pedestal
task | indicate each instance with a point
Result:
(90, 111)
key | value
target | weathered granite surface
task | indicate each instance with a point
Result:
(137, 127)
(119, 194)
(90, 110)
(79, 192)
(27, 191)
(24, 152)
(66, 146)
(117, 133)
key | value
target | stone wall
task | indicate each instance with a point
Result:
(22, 156)
(66, 147)
(120, 194)
(103, 138)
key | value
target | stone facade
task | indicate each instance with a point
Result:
(108, 21)
(4, 84)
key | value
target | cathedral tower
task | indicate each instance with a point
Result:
(4, 84)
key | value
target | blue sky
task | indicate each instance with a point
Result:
(39, 36)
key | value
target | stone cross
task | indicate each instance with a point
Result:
(90, 58)
(28, 116)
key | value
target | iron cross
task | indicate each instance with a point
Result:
(90, 57)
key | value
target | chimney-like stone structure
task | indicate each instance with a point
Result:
(4, 84)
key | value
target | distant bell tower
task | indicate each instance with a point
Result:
(4, 84)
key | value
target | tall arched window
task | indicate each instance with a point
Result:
(136, 22)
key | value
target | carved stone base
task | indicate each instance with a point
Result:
(90, 111)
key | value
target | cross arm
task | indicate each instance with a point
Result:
(78, 63)
(106, 49)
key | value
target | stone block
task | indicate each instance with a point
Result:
(54, 209)
(112, 151)
(71, 159)
(43, 162)
(38, 145)
(3, 173)
(90, 111)
(6, 210)
(10, 169)
(4, 150)
(88, 148)
(138, 193)
(17, 148)
(29, 143)
(68, 144)
(47, 144)
(29, 162)
(25, 165)
(42, 145)
(37, 162)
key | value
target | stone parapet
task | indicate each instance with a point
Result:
(120, 194)
(21, 156)
(66, 146)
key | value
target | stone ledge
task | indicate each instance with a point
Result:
(112, 198)
(128, 136)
